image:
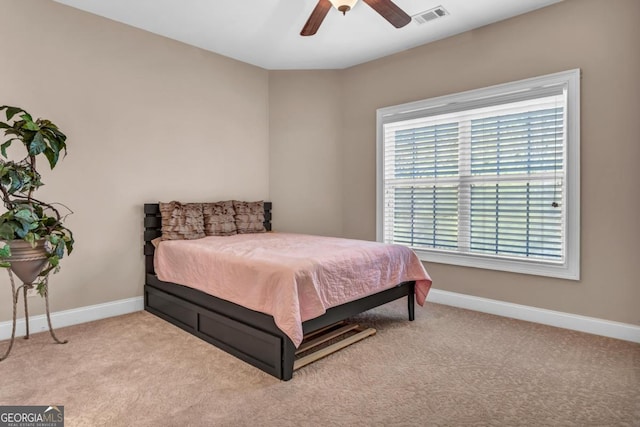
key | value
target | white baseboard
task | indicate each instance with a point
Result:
(74, 316)
(592, 325)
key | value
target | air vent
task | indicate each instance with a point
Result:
(430, 15)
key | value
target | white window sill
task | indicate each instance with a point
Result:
(567, 270)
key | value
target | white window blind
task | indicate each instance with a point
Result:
(482, 178)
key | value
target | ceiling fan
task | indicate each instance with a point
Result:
(386, 8)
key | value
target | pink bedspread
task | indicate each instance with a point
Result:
(292, 277)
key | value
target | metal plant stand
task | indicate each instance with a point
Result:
(15, 293)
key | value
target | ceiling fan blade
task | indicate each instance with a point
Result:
(390, 11)
(316, 18)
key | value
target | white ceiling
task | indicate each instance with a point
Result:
(266, 33)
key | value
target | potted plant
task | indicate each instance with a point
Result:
(33, 232)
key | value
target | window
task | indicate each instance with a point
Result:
(487, 178)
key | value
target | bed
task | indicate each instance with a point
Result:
(251, 335)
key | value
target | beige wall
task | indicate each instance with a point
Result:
(306, 139)
(305, 122)
(593, 35)
(147, 119)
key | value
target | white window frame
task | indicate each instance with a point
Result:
(570, 81)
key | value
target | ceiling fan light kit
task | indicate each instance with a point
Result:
(386, 8)
(343, 5)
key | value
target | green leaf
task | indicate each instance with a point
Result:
(26, 116)
(42, 289)
(68, 242)
(4, 146)
(37, 145)
(31, 238)
(12, 111)
(5, 264)
(5, 251)
(55, 142)
(6, 232)
(54, 260)
(38, 211)
(49, 222)
(59, 135)
(60, 249)
(29, 123)
(26, 136)
(52, 156)
(25, 214)
(18, 180)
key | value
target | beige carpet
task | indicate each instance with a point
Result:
(450, 367)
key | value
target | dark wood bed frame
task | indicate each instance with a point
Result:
(249, 335)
